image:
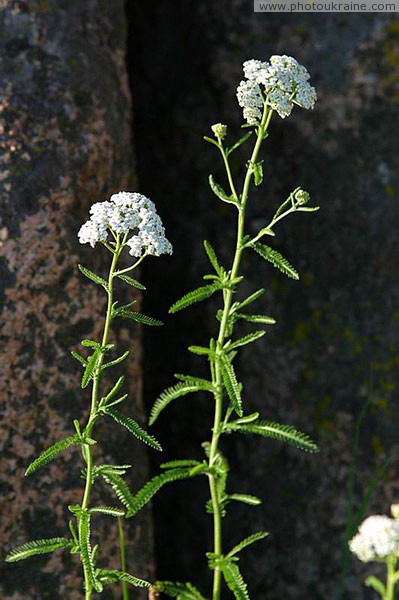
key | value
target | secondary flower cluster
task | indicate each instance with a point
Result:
(127, 212)
(377, 539)
(282, 81)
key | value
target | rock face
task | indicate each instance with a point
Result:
(332, 352)
(65, 141)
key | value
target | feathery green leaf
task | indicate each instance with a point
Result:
(138, 317)
(120, 488)
(234, 580)
(219, 191)
(171, 393)
(113, 575)
(108, 510)
(176, 464)
(133, 427)
(114, 390)
(247, 339)
(275, 258)
(251, 298)
(86, 553)
(283, 433)
(256, 318)
(245, 498)
(247, 542)
(37, 547)
(117, 360)
(231, 384)
(52, 452)
(146, 493)
(91, 365)
(201, 293)
(79, 358)
(90, 275)
(200, 350)
(131, 281)
(242, 139)
(212, 257)
(181, 591)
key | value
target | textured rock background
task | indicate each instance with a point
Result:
(65, 142)
(335, 342)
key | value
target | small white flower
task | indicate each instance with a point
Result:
(127, 212)
(280, 83)
(377, 539)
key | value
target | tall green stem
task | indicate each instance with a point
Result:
(227, 297)
(391, 578)
(87, 452)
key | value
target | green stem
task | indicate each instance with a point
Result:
(227, 297)
(87, 452)
(125, 587)
(391, 578)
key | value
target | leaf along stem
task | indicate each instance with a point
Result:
(216, 362)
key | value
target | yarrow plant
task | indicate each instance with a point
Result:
(128, 221)
(269, 88)
(377, 540)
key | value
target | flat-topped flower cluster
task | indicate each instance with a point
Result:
(377, 539)
(282, 82)
(127, 212)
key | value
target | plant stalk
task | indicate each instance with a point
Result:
(227, 297)
(87, 452)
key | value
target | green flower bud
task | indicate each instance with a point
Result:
(219, 130)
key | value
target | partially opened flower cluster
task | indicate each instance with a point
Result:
(282, 81)
(125, 213)
(377, 539)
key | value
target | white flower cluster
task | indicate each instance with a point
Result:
(377, 538)
(127, 212)
(284, 82)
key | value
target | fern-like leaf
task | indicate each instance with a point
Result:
(120, 488)
(113, 576)
(247, 542)
(138, 317)
(92, 276)
(256, 318)
(247, 339)
(212, 257)
(116, 361)
(131, 281)
(231, 384)
(52, 452)
(251, 298)
(276, 259)
(90, 366)
(201, 293)
(245, 498)
(149, 490)
(283, 433)
(108, 510)
(180, 389)
(37, 547)
(181, 591)
(133, 427)
(219, 191)
(86, 553)
(234, 580)
(176, 464)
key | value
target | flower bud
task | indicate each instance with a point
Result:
(395, 511)
(301, 197)
(219, 130)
